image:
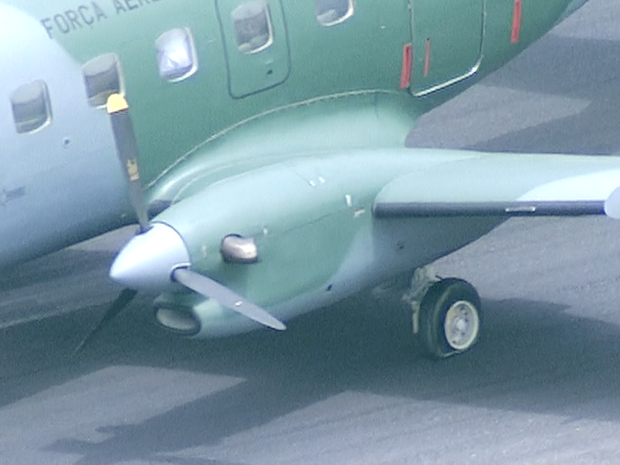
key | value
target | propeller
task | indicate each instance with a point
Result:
(225, 297)
(127, 150)
(612, 204)
(117, 306)
(141, 263)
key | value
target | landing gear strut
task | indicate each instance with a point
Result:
(447, 316)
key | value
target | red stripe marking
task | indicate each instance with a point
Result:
(427, 60)
(405, 74)
(516, 22)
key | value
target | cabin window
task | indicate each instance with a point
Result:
(102, 78)
(253, 28)
(332, 12)
(176, 55)
(31, 107)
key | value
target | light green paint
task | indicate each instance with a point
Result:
(291, 145)
(448, 42)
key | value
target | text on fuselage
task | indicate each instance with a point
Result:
(88, 14)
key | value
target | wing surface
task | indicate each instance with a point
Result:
(506, 185)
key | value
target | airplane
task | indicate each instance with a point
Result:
(260, 146)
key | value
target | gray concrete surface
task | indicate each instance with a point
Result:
(346, 385)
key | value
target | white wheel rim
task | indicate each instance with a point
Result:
(461, 325)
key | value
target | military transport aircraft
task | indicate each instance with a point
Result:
(273, 175)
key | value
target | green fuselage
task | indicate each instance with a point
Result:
(306, 62)
(225, 132)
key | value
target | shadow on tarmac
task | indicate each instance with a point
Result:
(347, 347)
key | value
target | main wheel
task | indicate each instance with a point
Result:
(450, 318)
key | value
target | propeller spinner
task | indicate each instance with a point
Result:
(157, 258)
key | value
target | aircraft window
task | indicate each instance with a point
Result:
(31, 107)
(102, 78)
(176, 55)
(253, 26)
(332, 12)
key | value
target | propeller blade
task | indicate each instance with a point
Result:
(612, 204)
(225, 297)
(127, 150)
(117, 306)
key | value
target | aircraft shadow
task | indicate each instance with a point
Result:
(535, 358)
(45, 269)
(573, 68)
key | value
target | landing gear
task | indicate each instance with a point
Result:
(446, 314)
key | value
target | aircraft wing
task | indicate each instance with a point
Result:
(506, 185)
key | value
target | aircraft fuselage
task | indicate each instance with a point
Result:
(221, 88)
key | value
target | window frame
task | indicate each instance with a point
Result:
(98, 100)
(23, 126)
(193, 54)
(350, 12)
(270, 29)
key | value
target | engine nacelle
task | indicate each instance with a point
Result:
(270, 235)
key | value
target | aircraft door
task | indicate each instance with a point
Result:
(254, 34)
(447, 42)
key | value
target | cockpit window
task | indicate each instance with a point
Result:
(253, 27)
(31, 107)
(176, 55)
(332, 12)
(102, 78)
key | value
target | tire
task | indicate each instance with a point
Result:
(450, 318)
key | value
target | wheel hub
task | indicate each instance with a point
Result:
(461, 325)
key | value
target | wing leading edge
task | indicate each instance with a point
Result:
(506, 185)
